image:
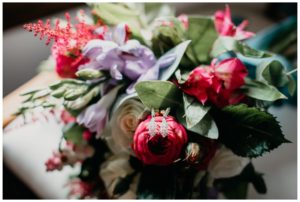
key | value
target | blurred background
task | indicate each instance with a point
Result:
(22, 53)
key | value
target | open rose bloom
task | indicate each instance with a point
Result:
(162, 108)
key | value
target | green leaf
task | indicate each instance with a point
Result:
(113, 14)
(206, 127)
(73, 132)
(151, 11)
(272, 72)
(178, 52)
(202, 32)
(181, 78)
(247, 131)
(224, 44)
(158, 94)
(262, 91)
(291, 85)
(194, 111)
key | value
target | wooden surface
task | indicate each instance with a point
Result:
(13, 100)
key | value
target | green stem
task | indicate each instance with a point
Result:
(291, 72)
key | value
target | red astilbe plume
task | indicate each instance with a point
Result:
(68, 41)
(67, 38)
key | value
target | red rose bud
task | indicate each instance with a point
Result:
(87, 135)
(159, 140)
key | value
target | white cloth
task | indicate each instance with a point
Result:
(25, 151)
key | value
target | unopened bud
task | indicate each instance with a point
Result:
(89, 74)
(193, 153)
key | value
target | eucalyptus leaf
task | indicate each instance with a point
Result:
(224, 44)
(206, 127)
(248, 131)
(202, 32)
(272, 72)
(73, 132)
(194, 110)
(262, 91)
(178, 53)
(158, 94)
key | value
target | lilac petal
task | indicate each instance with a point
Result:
(151, 74)
(166, 60)
(115, 73)
(96, 46)
(133, 47)
(117, 34)
(95, 116)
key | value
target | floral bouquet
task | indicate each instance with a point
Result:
(154, 106)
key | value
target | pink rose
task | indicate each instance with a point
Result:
(218, 83)
(157, 149)
(225, 26)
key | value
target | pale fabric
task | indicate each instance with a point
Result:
(118, 166)
(226, 164)
(26, 148)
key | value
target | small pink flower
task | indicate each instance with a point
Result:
(55, 162)
(217, 83)
(81, 189)
(225, 26)
(157, 149)
(66, 117)
(184, 20)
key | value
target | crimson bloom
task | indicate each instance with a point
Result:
(218, 83)
(159, 149)
(225, 26)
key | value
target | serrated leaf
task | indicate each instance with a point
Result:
(247, 131)
(178, 53)
(202, 32)
(224, 44)
(272, 72)
(158, 94)
(73, 132)
(194, 110)
(262, 91)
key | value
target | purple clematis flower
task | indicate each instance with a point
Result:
(124, 58)
(95, 116)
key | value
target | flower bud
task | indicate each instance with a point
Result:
(192, 153)
(89, 74)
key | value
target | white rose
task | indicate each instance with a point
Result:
(115, 167)
(226, 164)
(123, 124)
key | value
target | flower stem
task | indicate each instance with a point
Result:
(292, 71)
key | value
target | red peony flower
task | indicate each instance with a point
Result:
(217, 83)
(225, 26)
(159, 149)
